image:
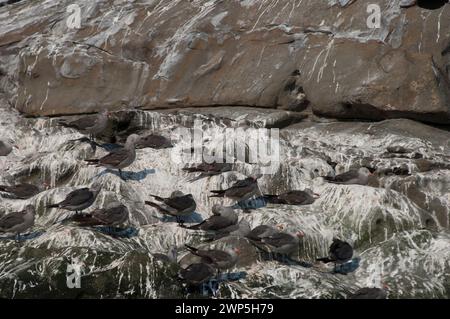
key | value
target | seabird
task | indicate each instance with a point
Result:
(294, 197)
(207, 170)
(18, 222)
(283, 243)
(115, 215)
(223, 218)
(79, 199)
(340, 252)
(241, 229)
(153, 141)
(5, 148)
(260, 232)
(358, 177)
(178, 205)
(22, 191)
(91, 124)
(118, 158)
(240, 190)
(197, 274)
(369, 293)
(219, 259)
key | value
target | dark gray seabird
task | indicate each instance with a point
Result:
(91, 124)
(223, 218)
(177, 205)
(115, 215)
(219, 259)
(241, 229)
(294, 197)
(154, 141)
(18, 222)
(197, 274)
(369, 293)
(283, 243)
(5, 148)
(22, 191)
(340, 252)
(358, 177)
(207, 170)
(118, 158)
(260, 232)
(241, 190)
(79, 199)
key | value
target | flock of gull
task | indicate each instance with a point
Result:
(272, 240)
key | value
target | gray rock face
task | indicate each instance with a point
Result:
(330, 55)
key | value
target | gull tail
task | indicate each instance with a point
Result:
(191, 249)
(52, 206)
(92, 161)
(158, 198)
(218, 194)
(158, 207)
(197, 226)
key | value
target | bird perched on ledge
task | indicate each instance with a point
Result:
(358, 177)
(118, 158)
(91, 124)
(177, 205)
(79, 199)
(22, 191)
(294, 197)
(18, 222)
(115, 215)
(240, 190)
(340, 252)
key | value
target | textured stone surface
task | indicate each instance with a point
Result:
(277, 54)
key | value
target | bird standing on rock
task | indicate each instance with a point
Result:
(340, 252)
(207, 170)
(22, 191)
(177, 205)
(219, 259)
(115, 215)
(154, 141)
(18, 222)
(240, 190)
(260, 232)
(294, 197)
(91, 125)
(197, 274)
(358, 177)
(79, 199)
(118, 158)
(223, 218)
(283, 243)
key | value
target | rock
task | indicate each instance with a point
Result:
(322, 55)
(5, 148)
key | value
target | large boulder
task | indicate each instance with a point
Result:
(282, 54)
